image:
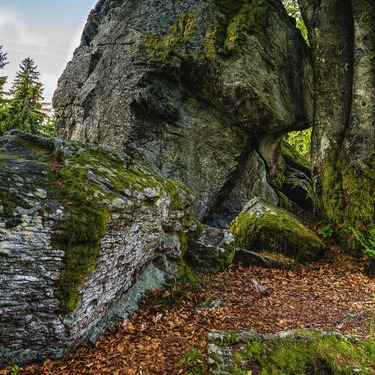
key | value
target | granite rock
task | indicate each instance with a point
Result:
(83, 232)
(187, 88)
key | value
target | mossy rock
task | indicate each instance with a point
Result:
(294, 159)
(210, 249)
(298, 352)
(93, 185)
(262, 227)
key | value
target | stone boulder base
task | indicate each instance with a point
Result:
(210, 249)
(299, 352)
(263, 228)
(189, 89)
(83, 232)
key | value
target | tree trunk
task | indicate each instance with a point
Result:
(342, 37)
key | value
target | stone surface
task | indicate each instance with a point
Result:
(303, 351)
(209, 303)
(187, 88)
(263, 228)
(210, 249)
(79, 227)
(297, 184)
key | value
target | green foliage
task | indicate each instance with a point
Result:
(368, 244)
(301, 141)
(14, 370)
(292, 8)
(372, 324)
(194, 362)
(3, 79)
(326, 232)
(24, 110)
(368, 247)
(47, 129)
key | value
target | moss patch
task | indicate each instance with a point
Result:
(234, 20)
(209, 250)
(240, 18)
(347, 197)
(294, 158)
(161, 46)
(300, 352)
(174, 290)
(92, 178)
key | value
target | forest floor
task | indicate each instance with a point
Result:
(332, 294)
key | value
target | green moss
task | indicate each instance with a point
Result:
(307, 352)
(252, 18)
(218, 261)
(240, 18)
(86, 180)
(224, 35)
(175, 290)
(79, 235)
(92, 177)
(187, 280)
(275, 231)
(319, 355)
(216, 358)
(294, 158)
(287, 204)
(347, 197)
(9, 202)
(161, 46)
(253, 352)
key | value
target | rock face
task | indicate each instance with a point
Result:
(82, 232)
(303, 351)
(262, 227)
(189, 89)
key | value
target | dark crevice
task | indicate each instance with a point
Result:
(222, 196)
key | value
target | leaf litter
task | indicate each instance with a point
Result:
(332, 294)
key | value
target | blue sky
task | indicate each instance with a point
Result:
(47, 31)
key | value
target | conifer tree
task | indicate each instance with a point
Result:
(25, 108)
(3, 79)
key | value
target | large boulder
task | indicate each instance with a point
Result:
(187, 88)
(83, 231)
(263, 228)
(299, 352)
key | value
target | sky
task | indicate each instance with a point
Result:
(48, 31)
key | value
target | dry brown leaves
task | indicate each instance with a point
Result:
(332, 294)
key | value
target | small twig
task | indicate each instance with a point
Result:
(261, 289)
